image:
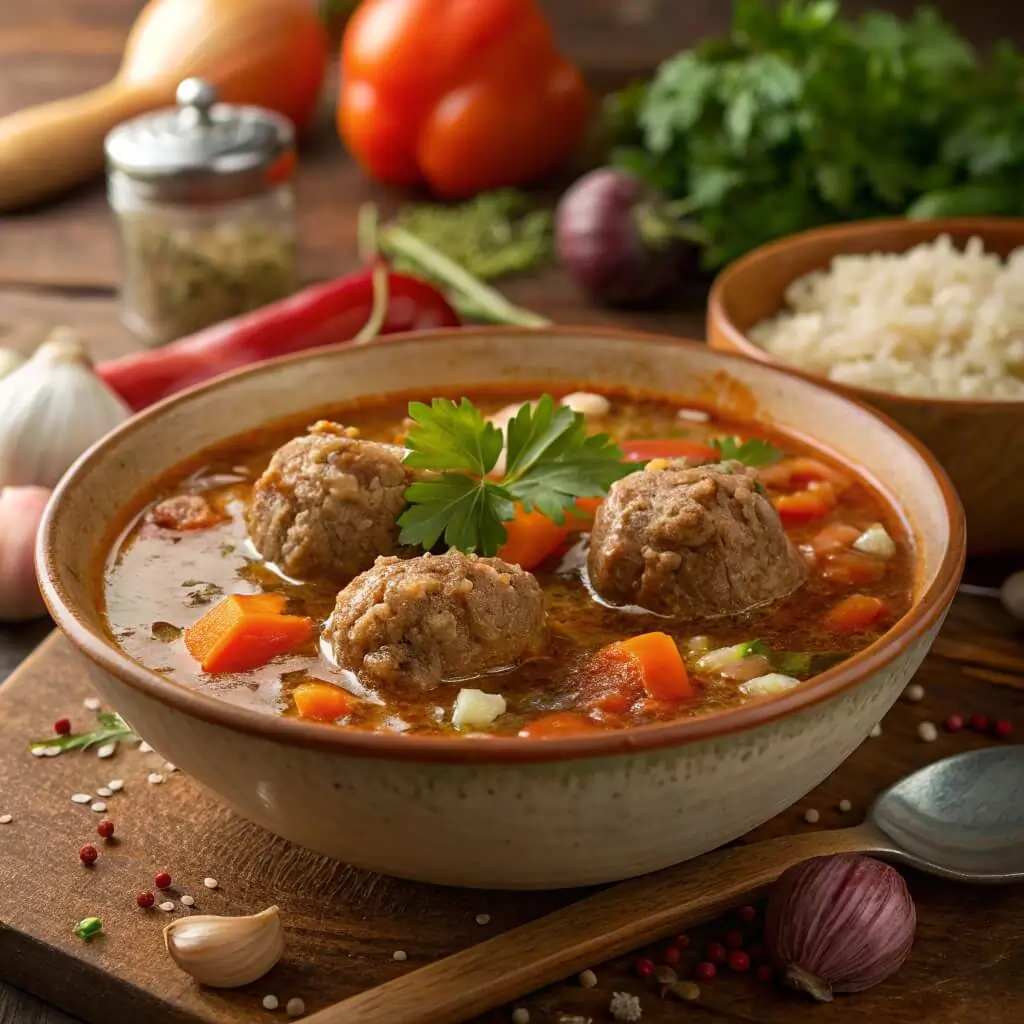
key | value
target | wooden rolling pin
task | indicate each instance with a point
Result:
(613, 922)
(267, 52)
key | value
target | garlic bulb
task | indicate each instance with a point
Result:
(226, 952)
(52, 408)
(9, 361)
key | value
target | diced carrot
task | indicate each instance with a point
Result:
(854, 613)
(321, 701)
(852, 568)
(804, 506)
(799, 471)
(668, 448)
(581, 518)
(834, 537)
(614, 702)
(245, 631)
(558, 724)
(532, 536)
(661, 666)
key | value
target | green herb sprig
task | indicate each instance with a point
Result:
(756, 452)
(111, 727)
(550, 461)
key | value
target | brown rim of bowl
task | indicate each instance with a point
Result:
(841, 232)
(921, 617)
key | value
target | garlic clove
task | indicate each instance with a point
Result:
(52, 408)
(9, 361)
(226, 952)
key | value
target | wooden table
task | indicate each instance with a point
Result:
(58, 264)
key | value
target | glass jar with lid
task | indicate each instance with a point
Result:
(204, 202)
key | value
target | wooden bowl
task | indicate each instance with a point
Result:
(502, 812)
(974, 439)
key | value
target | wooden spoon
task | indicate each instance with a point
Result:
(253, 50)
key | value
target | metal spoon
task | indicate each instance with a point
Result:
(961, 818)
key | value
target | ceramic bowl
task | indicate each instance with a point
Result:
(971, 438)
(503, 812)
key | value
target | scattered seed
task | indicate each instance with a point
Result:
(270, 1003)
(845, 806)
(145, 900)
(682, 942)
(624, 1006)
(154, 778)
(876, 731)
(105, 829)
(81, 798)
(483, 918)
(188, 901)
(747, 914)
(62, 726)
(953, 723)
(88, 928)
(705, 971)
(739, 960)
(91, 704)
(665, 975)
(588, 979)
(168, 767)
(686, 990)
(672, 955)
(145, 748)
(734, 940)
(98, 806)
(978, 722)
(210, 883)
(162, 880)
(40, 751)
(716, 953)
(88, 854)
(6, 819)
(104, 791)
(400, 955)
(295, 1008)
(116, 785)
(914, 693)
(107, 750)
(643, 968)
(167, 906)
(51, 751)
(811, 816)
(1002, 729)
(927, 732)
(520, 1015)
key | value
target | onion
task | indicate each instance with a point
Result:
(839, 924)
(1012, 594)
(21, 508)
(620, 243)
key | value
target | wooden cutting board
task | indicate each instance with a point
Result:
(344, 925)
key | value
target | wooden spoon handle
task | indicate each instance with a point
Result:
(49, 148)
(602, 926)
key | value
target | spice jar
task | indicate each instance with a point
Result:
(205, 206)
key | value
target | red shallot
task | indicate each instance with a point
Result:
(839, 924)
(21, 509)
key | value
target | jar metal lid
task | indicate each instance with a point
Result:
(202, 147)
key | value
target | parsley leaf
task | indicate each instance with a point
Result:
(111, 727)
(755, 452)
(551, 461)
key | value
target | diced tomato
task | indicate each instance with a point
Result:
(559, 724)
(854, 613)
(532, 537)
(667, 448)
(799, 471)
(581, 518)
(851, 568)
(834, 537)
(805, 506)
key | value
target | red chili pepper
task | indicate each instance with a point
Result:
(322, 314)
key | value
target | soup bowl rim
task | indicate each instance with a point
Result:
(927, 609)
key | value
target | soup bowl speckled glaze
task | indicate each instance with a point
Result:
(505, 812)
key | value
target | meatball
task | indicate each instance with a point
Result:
(424, 620)
(328, 503)
(694, 542)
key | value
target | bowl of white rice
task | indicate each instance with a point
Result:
(923, 319)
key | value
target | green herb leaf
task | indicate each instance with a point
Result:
(111, 727)
(755, 452)
(551, 461)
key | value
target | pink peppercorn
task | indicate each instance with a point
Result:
(145, 900)
(953, 723)
(162, 880)
(747, 914)
(105, 829)
(716, 953)
(978, 722)
(672, 956)
(643, 968)
(764, 972)
(734, 940)
(62, 726)
(88, 854)
(705, 971)
(682, 942)
(1002, 729)
(739, 961)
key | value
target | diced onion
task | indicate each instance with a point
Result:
(587, 404)
(721, 657)
(474, 708)
(773, 682)
(876, 541)
(698, 644)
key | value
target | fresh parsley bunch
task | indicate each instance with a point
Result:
(799, 118)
